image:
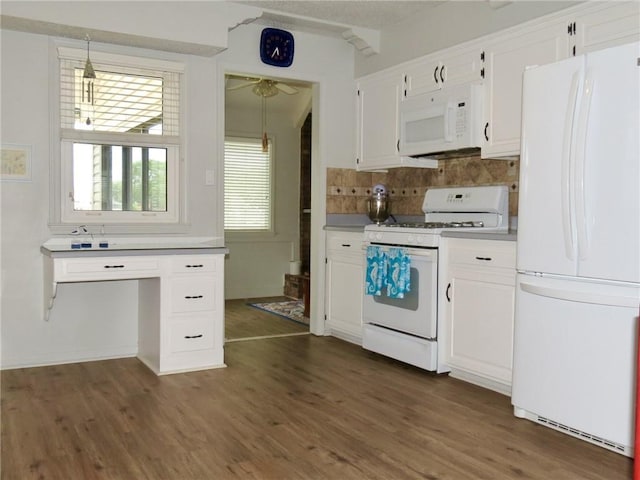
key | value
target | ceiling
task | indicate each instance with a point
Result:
(244, 98)
(374, 14)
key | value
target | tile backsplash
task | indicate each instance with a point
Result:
(348, 189)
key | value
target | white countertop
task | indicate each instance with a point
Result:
(62, 246)
(510, 236)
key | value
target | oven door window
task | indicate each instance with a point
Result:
(410, 300)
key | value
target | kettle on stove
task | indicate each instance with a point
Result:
(379, 204)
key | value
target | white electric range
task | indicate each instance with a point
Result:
(407, 328)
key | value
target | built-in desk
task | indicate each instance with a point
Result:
(180, 295)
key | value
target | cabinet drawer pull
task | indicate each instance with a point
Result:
(346, 245)
(441, 76)
(114, 266)
(189, 337)
(194, 266)
(486, 259)
(446, 294)
(192, 297)
(435, 75)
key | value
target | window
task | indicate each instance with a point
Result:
(248, 192)
(120, 139)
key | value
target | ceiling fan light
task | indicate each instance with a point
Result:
(265, 88)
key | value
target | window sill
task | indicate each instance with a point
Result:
(123, 229)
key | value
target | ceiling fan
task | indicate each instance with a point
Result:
(263, 87)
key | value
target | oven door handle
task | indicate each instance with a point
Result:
(421, 252)
(415, 252)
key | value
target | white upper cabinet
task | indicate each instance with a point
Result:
(506, 58)
(585, 28)
(605, 26)
(377, 129)
(498, 61)
(447, 68)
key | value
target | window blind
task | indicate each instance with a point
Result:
(247, 185)
(126, 100)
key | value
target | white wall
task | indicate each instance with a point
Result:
(99, 320)
(449, 24)
(88, 320)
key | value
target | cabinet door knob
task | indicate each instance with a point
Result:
(435, 75)
(441, 73)
(486, 137)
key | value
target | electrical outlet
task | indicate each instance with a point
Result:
(210, 177)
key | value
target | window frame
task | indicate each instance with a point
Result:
(239, 234)
(64, 213)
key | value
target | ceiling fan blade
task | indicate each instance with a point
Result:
(288, 89)
(243, 85)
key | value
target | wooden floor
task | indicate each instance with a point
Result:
(300, 407)
(243, 321)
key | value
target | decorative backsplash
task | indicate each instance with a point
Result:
(348, 189)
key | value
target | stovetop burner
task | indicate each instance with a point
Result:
(431, 225)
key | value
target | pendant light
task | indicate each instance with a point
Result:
(265, 141)
(88, 80)
(265, 88)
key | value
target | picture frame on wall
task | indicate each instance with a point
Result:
(15, 163)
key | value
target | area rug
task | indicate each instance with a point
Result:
(291, 310)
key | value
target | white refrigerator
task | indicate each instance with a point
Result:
(578, 247)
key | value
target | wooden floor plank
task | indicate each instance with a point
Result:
(301, 407)
(243, 321)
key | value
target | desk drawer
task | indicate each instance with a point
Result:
(105, 268)
(193, 263)
(193, 294)
(194, 333)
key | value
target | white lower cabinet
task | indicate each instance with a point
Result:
(344, 285)
(478, 286)
(190, 332)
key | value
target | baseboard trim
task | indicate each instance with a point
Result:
(61, 358)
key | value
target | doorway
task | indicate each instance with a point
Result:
(267, 268)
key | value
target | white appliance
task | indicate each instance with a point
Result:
(442, 124)
(407, 329)
(578, 251)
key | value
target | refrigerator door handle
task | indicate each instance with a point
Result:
(581, 144)
(581, 297)
(566, 176)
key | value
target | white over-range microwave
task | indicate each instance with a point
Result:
(442, 124)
